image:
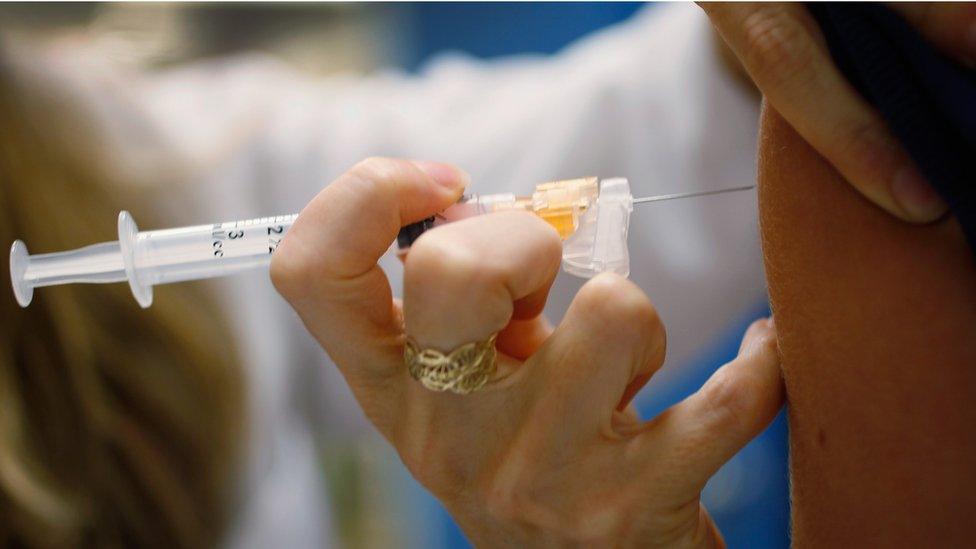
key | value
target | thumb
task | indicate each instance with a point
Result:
(740, 400)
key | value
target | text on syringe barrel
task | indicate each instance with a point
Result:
(206, 251)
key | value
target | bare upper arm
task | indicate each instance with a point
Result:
(877, 328)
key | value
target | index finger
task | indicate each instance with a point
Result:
(326, 264)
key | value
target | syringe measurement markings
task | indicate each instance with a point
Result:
(274, 225)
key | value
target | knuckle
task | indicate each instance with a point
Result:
(777, 46)
(368, 186)
(441, 268)
(373, 178)
(374, 181)
(450, 255)
(439, 255)
(620, 303)
(540, 236)
(376, 168)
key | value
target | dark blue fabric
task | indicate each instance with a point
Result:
(927, 99)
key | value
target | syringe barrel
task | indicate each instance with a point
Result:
(206, 251)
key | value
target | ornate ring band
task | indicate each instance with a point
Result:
(464, 370)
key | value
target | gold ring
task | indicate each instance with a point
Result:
(464, 370)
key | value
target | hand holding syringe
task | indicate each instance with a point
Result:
(591, 218)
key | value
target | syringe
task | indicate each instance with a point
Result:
(147, 258)
(592, 220)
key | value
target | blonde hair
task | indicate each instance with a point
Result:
(118, 426)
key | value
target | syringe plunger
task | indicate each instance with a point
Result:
(98, 263)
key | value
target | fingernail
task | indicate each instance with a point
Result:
(445, 175)
(915, 196)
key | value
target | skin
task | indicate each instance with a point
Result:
(548, 454)
(781, 48)
(876, 322)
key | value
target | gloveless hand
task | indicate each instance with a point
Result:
(548, 453)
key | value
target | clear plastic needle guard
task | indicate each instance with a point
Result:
(591, 216)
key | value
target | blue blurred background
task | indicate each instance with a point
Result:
(486, 30)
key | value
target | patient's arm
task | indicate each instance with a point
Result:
(877, 329)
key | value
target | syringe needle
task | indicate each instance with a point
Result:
(662, 197)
